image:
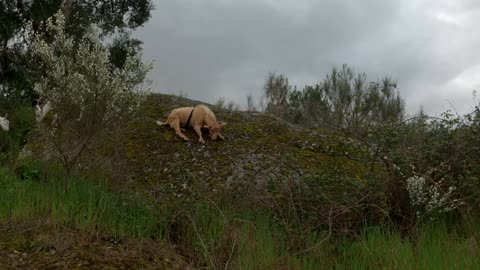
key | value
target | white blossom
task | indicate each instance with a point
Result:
(86, 93)
(428, 198)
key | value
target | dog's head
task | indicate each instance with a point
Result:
(214, 130)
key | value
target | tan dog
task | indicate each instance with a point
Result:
(197, 118)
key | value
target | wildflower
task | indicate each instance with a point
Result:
(428, 197)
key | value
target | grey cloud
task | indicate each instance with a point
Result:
(212, 49)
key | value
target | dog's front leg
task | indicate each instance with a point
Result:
(198, 129)
(221, 137)
(176, 127)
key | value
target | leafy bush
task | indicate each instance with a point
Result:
(433, 162)
(437, 160)
(329, 199)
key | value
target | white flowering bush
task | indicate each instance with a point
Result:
(87, 93)
(428, 199)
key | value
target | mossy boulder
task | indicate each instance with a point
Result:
(259, 151)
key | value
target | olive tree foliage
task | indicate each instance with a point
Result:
(343, 100)
(21, 19)
(87, 95)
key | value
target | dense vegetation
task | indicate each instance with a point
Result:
(22, 19)
(331, 176)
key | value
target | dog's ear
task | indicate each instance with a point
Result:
(222, 124)
(5, 117)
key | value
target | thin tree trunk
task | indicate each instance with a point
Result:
(67, 8)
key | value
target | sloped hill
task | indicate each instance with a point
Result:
(257, 148)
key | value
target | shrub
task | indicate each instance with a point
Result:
(437, 160)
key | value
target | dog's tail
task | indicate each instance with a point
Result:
(161, 123)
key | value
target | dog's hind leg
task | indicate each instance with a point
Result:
(198, 129)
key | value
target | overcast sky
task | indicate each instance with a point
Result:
(208, 49)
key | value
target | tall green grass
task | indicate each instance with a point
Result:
(75, 202)
(249, 240)
(223, 237)
(229, 238)
(264, 245)
(433, 246)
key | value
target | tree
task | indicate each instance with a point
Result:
(343, 100)
(123, 47)
(276, 92)
(355, 104)
(88, 95)
(109, 16)
(250, 104)
(309, 107)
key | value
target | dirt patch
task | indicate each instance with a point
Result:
(52, 247)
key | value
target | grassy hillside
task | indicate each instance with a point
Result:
(271, 196)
